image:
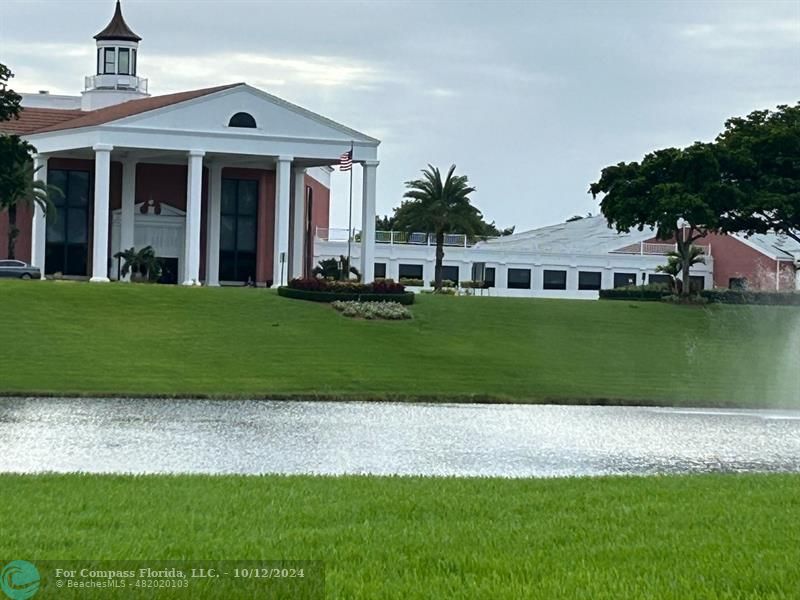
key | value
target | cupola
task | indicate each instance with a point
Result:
(116, 77)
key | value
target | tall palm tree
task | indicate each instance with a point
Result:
(682, 260)
(30, 192)
(439, 206)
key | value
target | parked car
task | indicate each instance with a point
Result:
(19, 270)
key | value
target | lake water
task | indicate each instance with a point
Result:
(202, 436)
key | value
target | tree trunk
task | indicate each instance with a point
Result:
(437, 283)
(13, 232)
(685, 252)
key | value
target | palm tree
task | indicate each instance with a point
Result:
(682, 260)
(439, 207)
(143, 265)
(19, 188)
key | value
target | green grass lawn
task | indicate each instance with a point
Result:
(711, 537)
(79, 338)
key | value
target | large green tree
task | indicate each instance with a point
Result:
(759, 157)
(439, 205)
(676, 191)
(17, 185)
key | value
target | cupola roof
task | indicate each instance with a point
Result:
(118, 29)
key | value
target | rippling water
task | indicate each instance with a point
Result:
(200, 436)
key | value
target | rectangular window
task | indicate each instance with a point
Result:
(99, 61)
(450, 273)
(659, 279)
(380, 270)
(554, 280)
(697, 283)
(110, 61)
(488, 276)
(133, 61)
(67, 237)
(238, 230)
(590, 280)
(410, 271)
(624, 279)
(124, 61)
(519, 279)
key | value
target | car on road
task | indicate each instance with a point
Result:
(17, 269)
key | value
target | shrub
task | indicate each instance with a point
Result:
(693, 299)
(641, 292)
(328, 296)
(725, 296)
(315, 284)
(412, 282)
(476, 285)
(390, 311)
(446, 283)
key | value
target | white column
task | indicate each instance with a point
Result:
(39, 224)
(102, 176)
(126, 223)
(572, 277)
(298, 222)
(194, 191)
(280, 264)
(212, 231)
(368, 193)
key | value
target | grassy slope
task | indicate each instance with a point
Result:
(58, 337)
(435, 538)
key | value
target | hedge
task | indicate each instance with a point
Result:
(633, 294)
(287, 292)
(752, 297)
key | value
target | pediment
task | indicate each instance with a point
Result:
(152, 209)
(273, 116)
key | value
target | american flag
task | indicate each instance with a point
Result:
(346, 161)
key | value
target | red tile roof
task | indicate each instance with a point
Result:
(31, 119)
(42, 120)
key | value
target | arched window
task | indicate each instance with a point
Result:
(242, 119)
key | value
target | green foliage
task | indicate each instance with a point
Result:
(9, 99)
(675, 264)
(411, 282)
(760, 159)
(327, 296)
(446, 283)
(635, 292)
(18, 186)
(710, 537)
(142, 264)
(439, 206)
(331, 268)
(724, 296)
(388, 311)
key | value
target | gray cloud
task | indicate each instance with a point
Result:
(530, 99)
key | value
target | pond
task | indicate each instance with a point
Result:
(249, 436)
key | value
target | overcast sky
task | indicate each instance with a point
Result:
(529, 99)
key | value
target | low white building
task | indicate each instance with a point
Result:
(567, 260)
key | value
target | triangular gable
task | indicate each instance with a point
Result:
(273, 116)
(160, 209)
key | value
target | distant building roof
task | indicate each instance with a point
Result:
(589, 235)
(32, 119)
(777, 245)
(118, 29)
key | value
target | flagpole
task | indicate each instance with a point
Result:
(350, 213)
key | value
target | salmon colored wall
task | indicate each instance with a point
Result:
(321, 204)
(23, 247)
(733, 258)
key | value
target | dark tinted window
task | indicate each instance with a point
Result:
(380, 270)
(519, 279)
(737, 283)
(67, 241)
(697, 283)
(242, 119)
(488, 276)
(624, 279)
(554, 280)
(410, 271)
(450, 273)
(238, 230)
(659, 278)
(590, 280)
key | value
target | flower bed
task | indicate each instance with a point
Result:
(390, 311)
(323, 290)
